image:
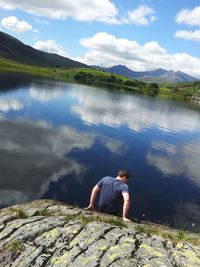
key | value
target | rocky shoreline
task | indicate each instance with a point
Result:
(50, 233)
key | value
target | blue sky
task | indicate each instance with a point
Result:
(143, 35)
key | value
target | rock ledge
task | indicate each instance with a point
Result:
(50, 233)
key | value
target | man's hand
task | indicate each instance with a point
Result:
(90, 207)
(126, 219)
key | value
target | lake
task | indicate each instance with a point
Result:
(59, 139)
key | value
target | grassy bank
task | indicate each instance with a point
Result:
(79, 75)
(178, 91)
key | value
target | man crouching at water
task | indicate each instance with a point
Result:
(114, 196)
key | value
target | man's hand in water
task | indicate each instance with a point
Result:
(90, 207)
(126, 219)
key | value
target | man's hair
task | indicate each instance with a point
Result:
(123, 173)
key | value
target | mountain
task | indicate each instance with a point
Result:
(158, 75)
(14, 49)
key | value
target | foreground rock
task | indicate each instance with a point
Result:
(49, 233)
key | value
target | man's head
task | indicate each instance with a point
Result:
(123, 175)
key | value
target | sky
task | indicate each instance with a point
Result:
(141, 34)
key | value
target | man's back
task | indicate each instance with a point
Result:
(114, 192)
(111, 198)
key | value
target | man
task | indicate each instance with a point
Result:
(114, 197)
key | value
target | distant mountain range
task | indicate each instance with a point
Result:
(14, 49)
(158, 75)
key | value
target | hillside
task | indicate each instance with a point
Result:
(158, 75)
(12, 48)
(50, 233)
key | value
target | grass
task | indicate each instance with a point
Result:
(14, 246)
(43, 212)
(81, 75)
(20, 214)
(174, 236)
(95, 218)
(184, 91)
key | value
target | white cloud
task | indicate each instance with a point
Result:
(142, 15)
(190, 17)
(10, 104)
(13, 24)
(41, 21)
(50, 46)
(106, 50)
(103, 11)
(189, 35)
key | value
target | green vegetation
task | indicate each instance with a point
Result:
(20, 214)
(185, 91)
(14, 246)
(95, 218)
(174, 236)
(81, 75)
(43, 212)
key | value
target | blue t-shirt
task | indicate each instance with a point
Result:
(111, 199)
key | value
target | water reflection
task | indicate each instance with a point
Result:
(187, 216)
(32, 154)
(58, 139)
(136, 112)
(7, 105)
(46, 93)
(175, 160)
(38, 154)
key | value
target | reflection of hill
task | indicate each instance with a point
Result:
(11, 81)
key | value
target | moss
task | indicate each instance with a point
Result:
(70, 217)
(95, 218)
(175, 236)
(43, 212)
(20, 214)
(14, 246)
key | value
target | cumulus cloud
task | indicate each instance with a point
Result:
(188, 35)
(190, 17)
(103, 11)
(13, 24)
(107, 50)
(143, 15)
(50, 46)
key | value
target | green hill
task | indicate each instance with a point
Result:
(12, 48)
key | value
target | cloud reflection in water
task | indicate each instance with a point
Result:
(137, 113)
(32, 154)
(176, 160)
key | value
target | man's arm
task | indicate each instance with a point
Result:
(93, 196)
(126, 206)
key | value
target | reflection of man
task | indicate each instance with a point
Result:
(114, 197)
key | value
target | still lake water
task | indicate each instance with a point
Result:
(59, 139)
